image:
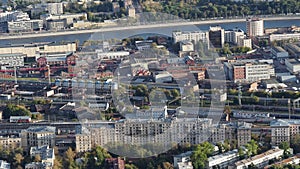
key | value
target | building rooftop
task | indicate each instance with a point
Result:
(41, 129)
(278, 49)
(4, 164)
(44, 151)
(259, 156)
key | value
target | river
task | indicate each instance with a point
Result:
(158, 30)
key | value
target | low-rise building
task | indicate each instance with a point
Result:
(294, 160)
(260, 160)
(47, 154)
(279, 53)
(4, 164)
(182, 159)
(292, 65)
(285, 36)
(58, 24)
(293, 50)
(222, 161)
(186, 46)
(115, 163)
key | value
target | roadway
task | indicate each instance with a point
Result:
(135, 27)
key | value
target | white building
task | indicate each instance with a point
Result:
(279, 53)
(244, 42)
(191, 36)
(186, 46)
(47, 154)
(255, 27)
(260, 160)
(181, 159)
(4, 165)
(14, 16)
(286, 36)
(292, 65)
(162, 77)
(55, 8)
(257, 72)
(112, 55)
(222, 161)
(231, 36)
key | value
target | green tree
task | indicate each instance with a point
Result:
(285, 146)
(15, 110)
(200, 155)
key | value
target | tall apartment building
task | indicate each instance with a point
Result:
(217, 36)
(38, 136)
(10, 143)
(244, 42)
(255, 27)
(231, 36)
(195, 37)
(248, 70)
(239, 131)
(284, 130)
(55, 8)
(143, 131)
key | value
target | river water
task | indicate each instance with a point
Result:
(127, 33)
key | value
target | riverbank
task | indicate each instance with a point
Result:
(135, 27)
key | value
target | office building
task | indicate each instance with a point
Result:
(255, 27)
(194, 37)
(38, 136)
(216, 36)
(248, 70)
(69, 17)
